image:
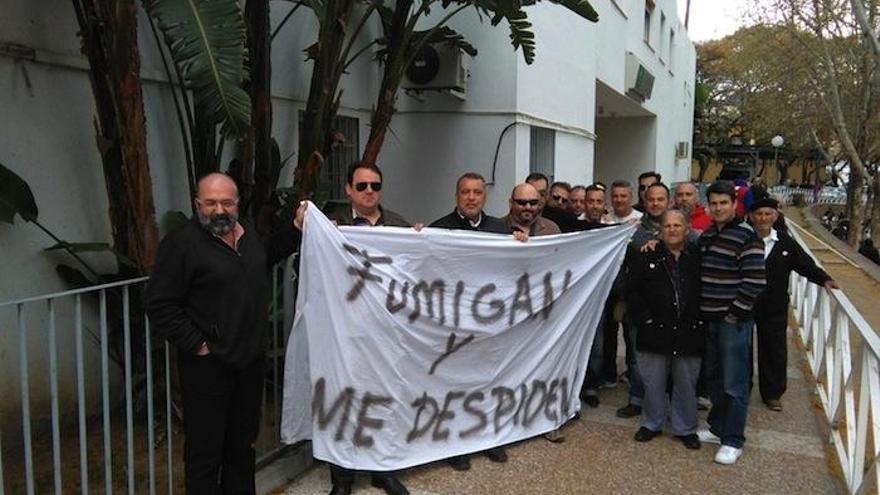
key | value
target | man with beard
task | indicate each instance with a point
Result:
(470, 198)
(686, 200)
(209, 295)
(523, 218)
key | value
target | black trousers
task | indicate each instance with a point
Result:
(221, 407)
(342, 477)
(609, 344)
(771, 324)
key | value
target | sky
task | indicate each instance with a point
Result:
(713, 19)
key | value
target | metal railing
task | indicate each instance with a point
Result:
(844, 357)
(826, 195)
(122, 433)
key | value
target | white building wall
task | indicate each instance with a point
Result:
(48, 136)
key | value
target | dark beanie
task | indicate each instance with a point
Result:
(765, 203)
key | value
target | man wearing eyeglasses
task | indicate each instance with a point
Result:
(364, 188)
(208, 296)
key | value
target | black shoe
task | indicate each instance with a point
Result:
(629, 411)
(340, 490)
(459, 462)
(497, 454)
(389, 483)
(591, 400)
(691, 441)
(645, 435)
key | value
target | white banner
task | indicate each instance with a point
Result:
(409, 347)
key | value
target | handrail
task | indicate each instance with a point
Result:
(843, 352)
(73, 292)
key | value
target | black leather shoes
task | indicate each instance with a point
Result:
(645, 435)
(691, 441)
(390, 484)
(340, 490)
(629, 411)
(459, 462)
(497, 454)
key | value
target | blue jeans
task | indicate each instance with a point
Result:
(728, 379)
(594, 365)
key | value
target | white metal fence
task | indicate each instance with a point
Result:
(844, 356)
(122, 434)
(826, 195)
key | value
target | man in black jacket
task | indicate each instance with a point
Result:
(470, 199)
(209, 295)
(663, 298)
(782, 254)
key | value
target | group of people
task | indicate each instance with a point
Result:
(694, 283)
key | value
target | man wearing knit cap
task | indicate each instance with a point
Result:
(782, 254)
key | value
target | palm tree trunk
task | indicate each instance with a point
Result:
(394, 69)
(323, 101)
(109, 40)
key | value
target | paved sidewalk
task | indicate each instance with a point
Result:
(784, 453)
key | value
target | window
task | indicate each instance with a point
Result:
(343, 154)
(662, 32)
(542, 151)
(344, 151)
(649, 11)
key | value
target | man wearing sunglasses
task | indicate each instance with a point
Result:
(524, 219)
(364, 188)
(645, 181)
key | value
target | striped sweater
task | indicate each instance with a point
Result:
(732, 270)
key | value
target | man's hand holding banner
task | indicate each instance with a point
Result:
(409, 347)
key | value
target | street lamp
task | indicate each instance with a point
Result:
(777, 143)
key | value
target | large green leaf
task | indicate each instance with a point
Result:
(444, 34)
(207, 40)
(15, 197)
(581, 8)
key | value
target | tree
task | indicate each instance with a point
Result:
(841, 54)
(108, 31)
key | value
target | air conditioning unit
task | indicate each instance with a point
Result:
(639, 81)
(681, 149)
(439, 67)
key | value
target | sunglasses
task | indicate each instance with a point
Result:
(527, 202)
(557, 197)
(362, 186)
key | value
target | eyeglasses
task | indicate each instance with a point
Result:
(211, 203)
(527, 202)
(362, 186)
(559, 198)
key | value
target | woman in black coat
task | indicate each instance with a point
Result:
(664, 298)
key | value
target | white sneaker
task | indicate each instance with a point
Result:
(707, 436)
(727, 455)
